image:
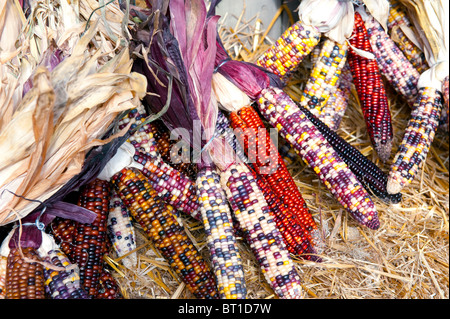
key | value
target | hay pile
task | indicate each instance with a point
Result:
(407, 257)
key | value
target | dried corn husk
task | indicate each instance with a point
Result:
(70, 110)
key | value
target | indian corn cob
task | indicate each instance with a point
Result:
(254, 217)
(322, 81)
(3, 262)
(393, 64)
(279, 177)
(445, 93)
(89, 242)
(396, 19)
(24, 274)
(293, 125)
(369, 174)
(163, 229)
(216, 216)
(62, 284)
(335, 108)
(108, 287)
(121, 230)
(416, 142)
(286, 54)
(371, 92)
(172, 186)
(296, 238)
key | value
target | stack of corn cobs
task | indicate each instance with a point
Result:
(249, 197)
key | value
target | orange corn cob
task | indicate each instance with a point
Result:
(162, 228)
(322, 81)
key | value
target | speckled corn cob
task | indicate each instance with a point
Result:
(3, 262)
(322, 81)
(62, 284)
(172, 186)
(369, 174)
(279, 178)
(445, 118)
(223, 128)
(393, 64)
(371, 92)
(255, 219)
(90, 240)
(24, 274)
(121, 231)
(142, 138)
(108, 287)
(398, 17)
(163, 229)
(419, 135)
(216, 216)
(334, 109)
(286, 54)
(293, 125)
(296, 238)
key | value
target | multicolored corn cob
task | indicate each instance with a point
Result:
(216, 216)
(163, 229)
(24, 274)
(419, 135)
(445, 118)
(255, 219)
(393, 64)
(223, 128)
(286, 54)
(293, 125)
(108, 287)
(172, 186)
(63, 231)
(90, 240)
(322, 81)
(369, 174)
(62, 284)
(278, 176)
(334, 110)
(121, 230)
(371, 92)
(3, 263)
(397, 18)
(296, 238)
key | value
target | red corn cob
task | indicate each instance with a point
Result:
(371, 91)
(89, 243)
